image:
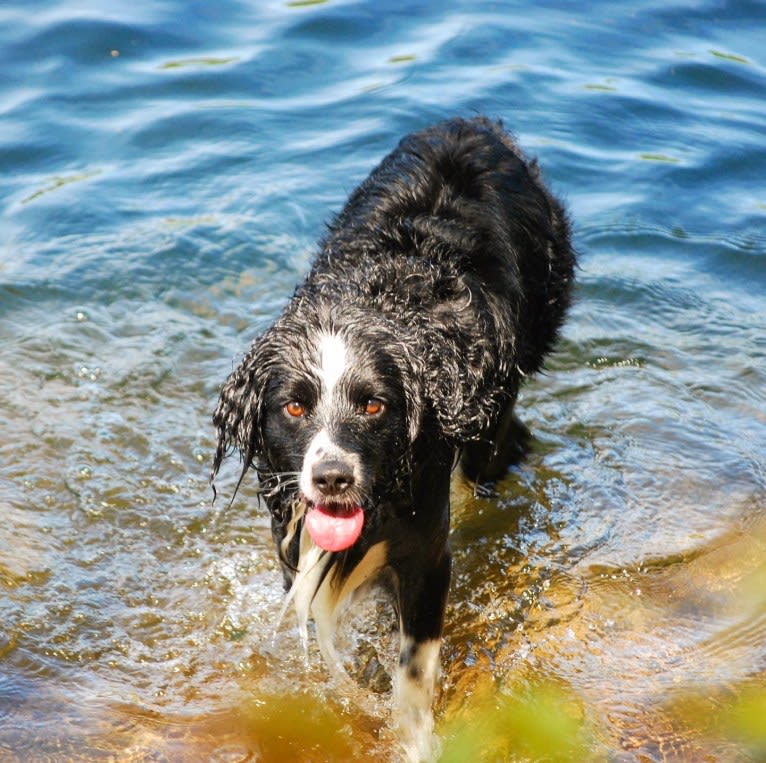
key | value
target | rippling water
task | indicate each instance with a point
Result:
(166, 168)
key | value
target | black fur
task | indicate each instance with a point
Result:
(447, 275)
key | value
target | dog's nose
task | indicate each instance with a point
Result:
(332, 477)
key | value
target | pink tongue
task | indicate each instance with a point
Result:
(331, 532)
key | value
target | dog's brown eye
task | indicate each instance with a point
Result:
(295, 409)
(374, 407)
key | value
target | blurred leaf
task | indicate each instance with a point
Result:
(745, 719)
(293, 728)
(543, 723)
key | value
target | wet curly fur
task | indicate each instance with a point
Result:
(440, 286)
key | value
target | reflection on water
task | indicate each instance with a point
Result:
(166, 169)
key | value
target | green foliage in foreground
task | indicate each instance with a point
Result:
(538, 723)
(542, 724)
(297, 728)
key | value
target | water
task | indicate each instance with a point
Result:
(166, 169)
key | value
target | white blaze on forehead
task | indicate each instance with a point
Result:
(332, 360)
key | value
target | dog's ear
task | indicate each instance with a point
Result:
(238, 416)
(412, 382)
(459, 378)
(414, 398)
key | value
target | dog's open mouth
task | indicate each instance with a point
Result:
(334, 527)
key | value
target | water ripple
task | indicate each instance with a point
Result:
(167, 169)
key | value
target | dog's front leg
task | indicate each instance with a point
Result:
(422, 600)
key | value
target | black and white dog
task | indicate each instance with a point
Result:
(439, 287)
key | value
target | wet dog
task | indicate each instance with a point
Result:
(439, 287)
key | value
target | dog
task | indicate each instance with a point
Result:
(440, 286)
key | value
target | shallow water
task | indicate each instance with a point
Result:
(166, 169)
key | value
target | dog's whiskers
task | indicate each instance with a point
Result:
(271, 484)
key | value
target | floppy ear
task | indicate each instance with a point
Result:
(414, 413)
(238, 416)
(411, 369)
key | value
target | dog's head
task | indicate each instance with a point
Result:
(326, 408)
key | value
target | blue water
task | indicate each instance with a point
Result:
(165, 169)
